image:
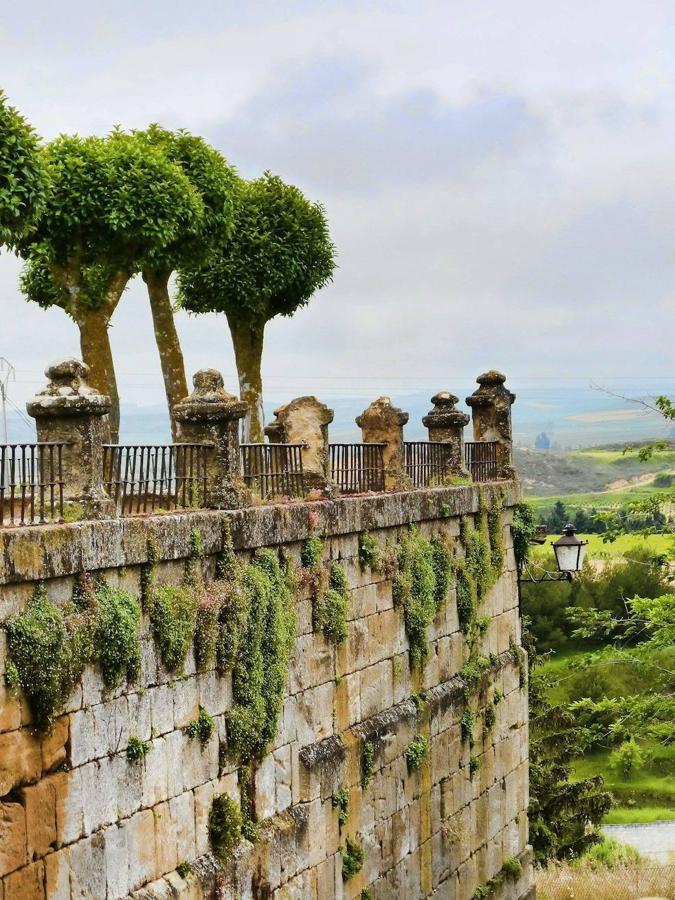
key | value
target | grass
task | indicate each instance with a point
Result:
(562, 881)
(650, 794)
(623, 545)
(597, 499)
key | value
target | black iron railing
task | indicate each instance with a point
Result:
(357, 468)
(31, 483)
(480, 458)
(427, 463)
(273, 470)
(141, 478)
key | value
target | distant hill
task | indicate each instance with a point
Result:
(604, 468)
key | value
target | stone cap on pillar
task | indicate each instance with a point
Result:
(491, 390)
(68, 393)
(444, 413)
(382, 413)
(209, 400)
(308, 407)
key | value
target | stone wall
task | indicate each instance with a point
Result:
(78, 819)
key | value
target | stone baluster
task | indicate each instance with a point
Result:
(210, 415)
(305, 421)
(491, 406)
(382, 423)
(69, 410)
(446, 426)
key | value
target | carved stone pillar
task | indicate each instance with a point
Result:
(211, 415)
(68, 410)
(446, 426)
(382, 423)
(305, 420)
(491, 406)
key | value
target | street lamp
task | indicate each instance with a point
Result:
(569, 551)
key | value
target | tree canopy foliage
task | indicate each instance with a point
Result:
(22, 176)
(280, 253)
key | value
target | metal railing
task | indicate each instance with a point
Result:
(480, 458)
(31, 483)
(357, 468)
(141, 478)
(426, 463)
(273, 470)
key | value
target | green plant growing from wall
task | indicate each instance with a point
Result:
(183, 868)
(118, 635)
(367, 763)
(331, 608)
(137, 749)
(370, 555)
(225, 822)
(489, 717)
(416, 752)
(311, 553)
(353, 857)
(495, 536)
(200, 728)
(261, 665)
(512, 867)
(442, 562)
(414, 591)
(466, 726)
(466, 595)
(340, 801)
(206, 630)
(474, 765)
(174, 621)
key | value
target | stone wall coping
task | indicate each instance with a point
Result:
(49, 551)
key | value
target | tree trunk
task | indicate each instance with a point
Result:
(168, 343)
(97, 354)
(247, 338)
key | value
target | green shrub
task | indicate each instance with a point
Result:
(137, 749)
(366, 894)
(200, 728)
(261, 665)
(627, 758)
(174, 620)
(225, 822)
(118, 638)
(416, 752)
(353, 856)
(340, 801)
(414, 589)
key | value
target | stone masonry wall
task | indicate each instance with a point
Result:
(78, 820)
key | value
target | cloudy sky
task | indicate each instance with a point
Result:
(499, 177)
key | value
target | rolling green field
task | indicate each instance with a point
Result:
(597, 499)
(599, 549)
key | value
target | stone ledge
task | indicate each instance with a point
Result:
(50, 551)
(378, 726)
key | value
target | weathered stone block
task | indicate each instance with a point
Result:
(140, 840)
(87, 869)
(57, 875)
(20, 760)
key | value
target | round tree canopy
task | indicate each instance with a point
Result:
(280, 253)
(22, 176)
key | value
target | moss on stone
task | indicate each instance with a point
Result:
(225, 822)
(311, 553)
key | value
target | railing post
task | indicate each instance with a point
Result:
(69, 410)
(382, 423)
(491, 406)
(210, 415)
(446, 426)
(305, 420)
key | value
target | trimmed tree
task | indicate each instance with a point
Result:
(279, 255)
(22, 176)
(111, 202)
(215, 182)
